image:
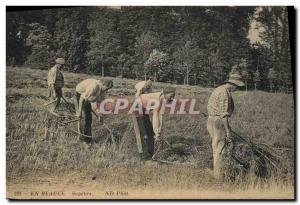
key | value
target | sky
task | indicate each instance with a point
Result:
(255, 29)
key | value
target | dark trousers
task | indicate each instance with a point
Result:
(146, 135)
(85, 122)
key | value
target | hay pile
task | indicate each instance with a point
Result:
(249, 157)
(242, 158)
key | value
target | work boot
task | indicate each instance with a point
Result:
(144, 157)
(85, 139)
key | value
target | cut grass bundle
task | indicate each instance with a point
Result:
(259, 159)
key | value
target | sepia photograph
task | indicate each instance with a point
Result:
(150, 103)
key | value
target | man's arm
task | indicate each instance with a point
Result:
(97, 112)
(225, 122)
(224, 100)
(78, 114)
(157, 124)
(52, 76)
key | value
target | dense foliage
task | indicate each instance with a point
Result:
(184, 45)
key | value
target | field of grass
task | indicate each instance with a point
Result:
(61, 162)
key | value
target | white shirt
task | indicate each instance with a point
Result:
(90, 89)
(55, 77)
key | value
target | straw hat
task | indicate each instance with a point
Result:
(60, 61)
(236, 79)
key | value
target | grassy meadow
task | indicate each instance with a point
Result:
(60, 160)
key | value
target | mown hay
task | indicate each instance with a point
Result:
(248, 157)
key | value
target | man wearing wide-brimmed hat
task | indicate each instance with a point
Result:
(56, 82)
(220, 107)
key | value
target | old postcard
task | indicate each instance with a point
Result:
(161, 102)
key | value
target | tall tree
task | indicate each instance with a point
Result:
(185, 58)
(16, 50)
(70, 36)
(125, 64)
(275, 34)
(39, 41)
(256, 79)
(104, 41)
(244, 71)
(272, 76)
(145, 44)
(156, 63)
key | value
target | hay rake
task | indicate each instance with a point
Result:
(165, 146)
(62, 119)
(266, 152)
(66, 119)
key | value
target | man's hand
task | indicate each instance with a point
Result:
(227, 127)
(229, 143)
(52, 92)
(229, 139)
(78, 114)
(229, 136)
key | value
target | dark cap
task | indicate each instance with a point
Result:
(108, 83)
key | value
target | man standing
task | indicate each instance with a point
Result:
(220, 107)
(143, 87)
(56, 82)
(89, 91)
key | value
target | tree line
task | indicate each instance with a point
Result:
(183, 45)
